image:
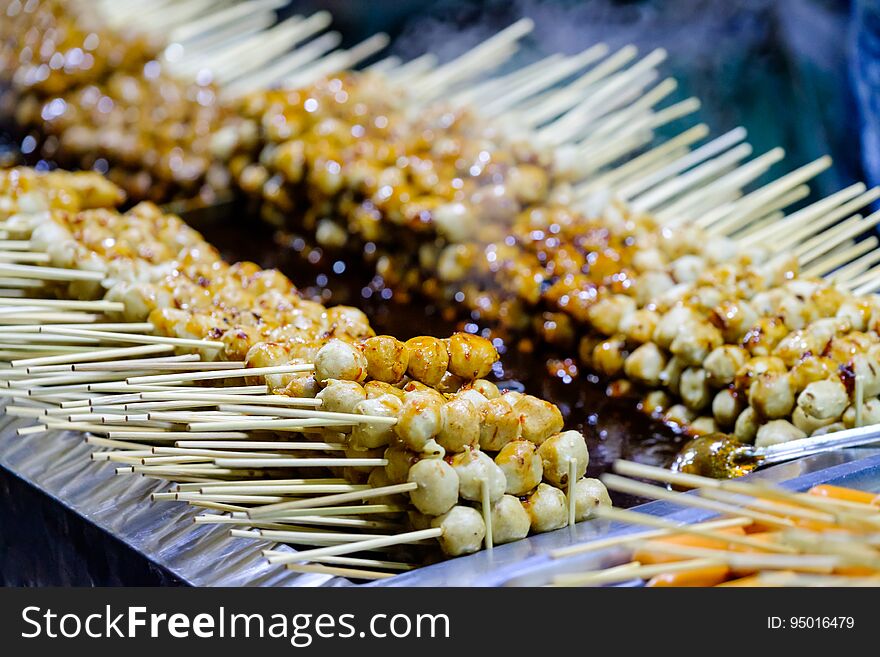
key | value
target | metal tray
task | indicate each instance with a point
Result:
(65, 519)
(863, 474)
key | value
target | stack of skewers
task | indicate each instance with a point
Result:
(765, 535)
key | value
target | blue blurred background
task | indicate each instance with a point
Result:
(801, 74)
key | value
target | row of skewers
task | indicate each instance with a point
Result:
(762, 535)
(410, 432)
(673, 289)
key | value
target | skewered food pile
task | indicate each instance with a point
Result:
(25, 191)
(416, 417)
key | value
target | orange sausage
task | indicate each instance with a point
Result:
(764, 537)
(779, 510)
(855, 571)
(706, 576)
(689, 540)
(847, 494)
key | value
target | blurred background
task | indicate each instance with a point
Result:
(801, 74)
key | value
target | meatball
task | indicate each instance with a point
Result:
(608, 357)
(470, 356)
(416, 386)
(499, 424)
(267, 354)
(510, 522)
(688, 268)
(375, 389)
(655, 402)
(419, 521)
(606, 314)
(703, 425)
(809, 425)
(824, 400)
(486, 388)
(378, 479)
(589, 494)
(746, 426)
(341, 396)
(348, 321)
(671, 375)
(438, 486)
(829, 428)
(357, 453)
(340, 360)
(671, 324)
(463, 530)
(557, 451)
(754, 367)
(474, 467)
(474, 397)
(459, 425)
(547, 508)
(639, 326)
(726, 406)
(428, 359)
(387, 358)
(539, 418)
(696, 342)
(723, 363)
(522, 466)
(680, 415)
(419, 420)
(372, 434)
(298, 385)
(870, 414)
(694, 388)
(450, 384)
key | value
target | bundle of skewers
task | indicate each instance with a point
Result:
(311, 430)
(763, 535)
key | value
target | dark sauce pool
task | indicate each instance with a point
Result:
(613, 425)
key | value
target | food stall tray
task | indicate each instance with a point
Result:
(526, 563)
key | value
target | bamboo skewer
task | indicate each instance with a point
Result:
(219, 374)
(97, 355)
(679, 197)
(116, 336)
